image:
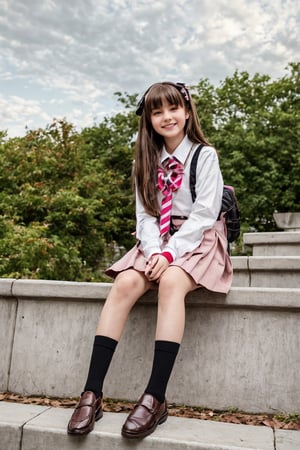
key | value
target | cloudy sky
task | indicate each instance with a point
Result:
(67, 58)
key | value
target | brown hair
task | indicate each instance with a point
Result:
(149, 144)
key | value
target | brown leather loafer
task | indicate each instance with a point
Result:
(146, 415)
(87, 411)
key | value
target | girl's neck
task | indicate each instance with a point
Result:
(172, 144)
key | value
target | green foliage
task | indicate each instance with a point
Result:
(61, 202)
(254, 124)
(66, 201)
(28, 252)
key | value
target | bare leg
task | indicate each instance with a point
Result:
(173, 287)
(128, 287)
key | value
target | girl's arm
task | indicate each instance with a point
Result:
(147, 230)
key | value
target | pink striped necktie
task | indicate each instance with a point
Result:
(169, 180)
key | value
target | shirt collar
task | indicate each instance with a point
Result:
(180, 153)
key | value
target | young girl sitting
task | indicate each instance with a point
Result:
(181, 246)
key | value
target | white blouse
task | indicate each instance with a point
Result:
(202, 214)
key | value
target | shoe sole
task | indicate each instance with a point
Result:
(146, 432)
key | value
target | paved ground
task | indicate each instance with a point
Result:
(276, 421)
(35, 427)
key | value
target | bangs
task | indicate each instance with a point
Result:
(160, 93)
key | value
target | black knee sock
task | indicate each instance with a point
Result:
(164, 358)
(102, 354)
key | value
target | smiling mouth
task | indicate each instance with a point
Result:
(169, 125)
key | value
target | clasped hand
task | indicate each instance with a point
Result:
(156, 266)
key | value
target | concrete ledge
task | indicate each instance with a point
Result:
(273, 298)
(266, 271)
(68, 291)
(8, 316)
(276, 237)
(275, 271)
(278, 243)
(241, 274)
(234, 351)
(46, 429)
(6, 285)
(46, 289)
(275, 263)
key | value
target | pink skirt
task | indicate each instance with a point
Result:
(209, 264)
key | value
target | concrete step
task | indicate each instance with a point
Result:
(266, 271)
(277, 243)
(31, 427)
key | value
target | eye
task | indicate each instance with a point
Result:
(174, 108)
(155, 112)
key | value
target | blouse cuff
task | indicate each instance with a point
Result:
(168, 256)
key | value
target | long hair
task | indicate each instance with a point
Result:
(149, 144)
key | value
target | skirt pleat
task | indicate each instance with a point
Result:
(209, 264)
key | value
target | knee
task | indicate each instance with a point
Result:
(127, 282)
(168, 283)
(175, 282)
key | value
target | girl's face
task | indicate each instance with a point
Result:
(169, 121)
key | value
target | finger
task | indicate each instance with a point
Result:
(159, 271)
(154, 262)
(148, 271)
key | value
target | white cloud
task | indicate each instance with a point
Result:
(17, 113)
(83, 51)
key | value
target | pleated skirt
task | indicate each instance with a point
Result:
(209, 264)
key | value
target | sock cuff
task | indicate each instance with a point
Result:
(167, 346)
(105, 341)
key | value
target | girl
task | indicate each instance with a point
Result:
(181, 247)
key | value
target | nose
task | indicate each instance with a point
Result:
(167, 114)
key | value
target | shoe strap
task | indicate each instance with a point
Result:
(87, 399)
(148, 401)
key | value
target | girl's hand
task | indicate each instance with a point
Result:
(156, 266)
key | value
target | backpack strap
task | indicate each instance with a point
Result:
(229, 207)
(193, 171)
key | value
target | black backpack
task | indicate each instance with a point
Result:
(229, 206)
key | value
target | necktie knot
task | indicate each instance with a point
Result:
(170, 175)
(169, 180)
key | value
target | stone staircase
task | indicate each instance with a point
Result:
(275, 261)
(239, 351)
